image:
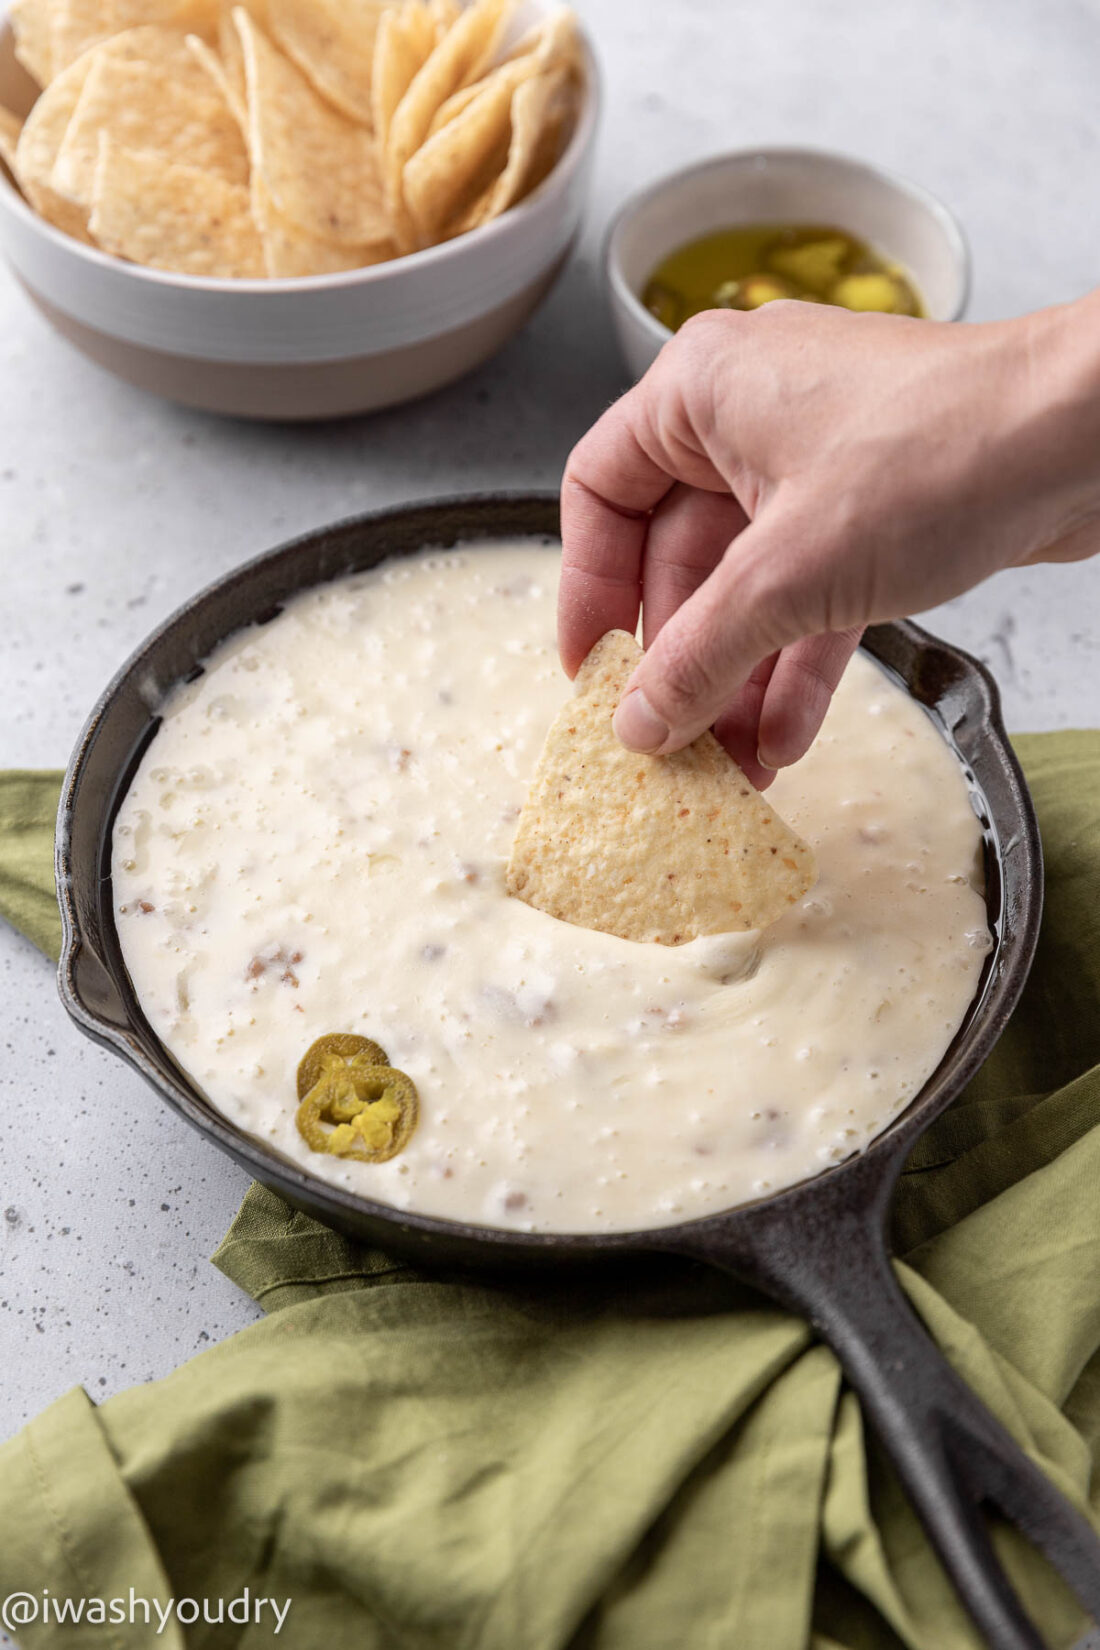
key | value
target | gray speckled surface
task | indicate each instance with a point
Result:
(114, 507)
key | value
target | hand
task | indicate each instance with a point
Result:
(781, 478)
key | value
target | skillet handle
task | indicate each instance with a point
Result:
(950, 1453)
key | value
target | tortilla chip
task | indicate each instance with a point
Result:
(555, 40)
(76, 25)
(373, 128)
(148, 44)
(227, 29)
(33, 29)
(188, 16)
(653, 848)
(291, 251)
(10, 128)
(169, 107)
(449, 184)
(214, 65)
(42, 136)
(445, 14)
(454, 106)
(457, 60)
(405, 37)
(332, 42)
(455, 166)
(542, 115)
(173, 217)
(318, 167)
(227, 45)
(458, 57)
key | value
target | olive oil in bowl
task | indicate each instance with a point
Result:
(750, 265)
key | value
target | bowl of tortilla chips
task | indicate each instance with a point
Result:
(291, 209)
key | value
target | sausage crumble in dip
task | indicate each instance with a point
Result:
(316, 840)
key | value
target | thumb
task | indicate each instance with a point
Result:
(754, 603)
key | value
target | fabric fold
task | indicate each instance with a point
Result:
(28, 818)
(73, 1534)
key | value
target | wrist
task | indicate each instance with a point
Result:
(1052, 362)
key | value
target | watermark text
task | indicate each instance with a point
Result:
(28, 1609)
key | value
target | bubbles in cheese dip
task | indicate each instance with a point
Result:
(316, 839)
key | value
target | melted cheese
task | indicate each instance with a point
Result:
(316, 839)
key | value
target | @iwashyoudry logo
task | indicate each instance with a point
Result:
(45, 1608)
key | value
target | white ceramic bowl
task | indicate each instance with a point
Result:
(321, 347)
(897, 217)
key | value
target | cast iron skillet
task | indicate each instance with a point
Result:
(820, 1248)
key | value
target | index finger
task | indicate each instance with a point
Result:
(609, 487)
(615, 477)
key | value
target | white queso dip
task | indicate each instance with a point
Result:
(315, 842)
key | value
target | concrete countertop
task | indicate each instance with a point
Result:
(114, 507)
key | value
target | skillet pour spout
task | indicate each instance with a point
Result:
(820, 1248)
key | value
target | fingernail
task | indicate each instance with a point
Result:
(766, 761)
(637, 725)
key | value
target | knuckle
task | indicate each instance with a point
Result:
(776, 602)
(779, 312)
(698, 326)
(813, 683)
(575, 498)
(683, 679)
(796, 585)
(704, 333)
(788, 730)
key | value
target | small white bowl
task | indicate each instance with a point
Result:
(321, 347)
(897, 217)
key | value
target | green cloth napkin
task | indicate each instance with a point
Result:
(658, 1461)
